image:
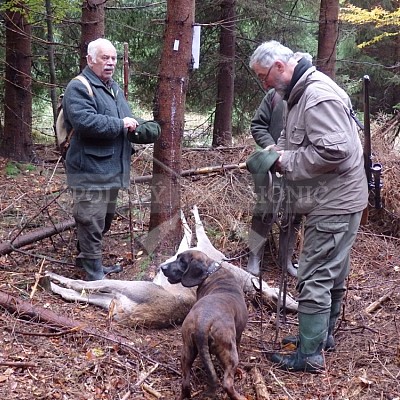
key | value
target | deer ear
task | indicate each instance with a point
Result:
(195, 273)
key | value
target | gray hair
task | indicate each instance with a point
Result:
(93, 46)
(268, 52)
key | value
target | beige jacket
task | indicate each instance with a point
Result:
(323, 162)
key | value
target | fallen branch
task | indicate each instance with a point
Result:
(144, 375)
(18, 364)
(259, 385)
(152, 391)
(26, 310)
(34, 236)
(43, 233)
(195, 171)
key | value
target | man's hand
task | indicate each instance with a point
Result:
(272, 147)
(277, 165)
(130, 123)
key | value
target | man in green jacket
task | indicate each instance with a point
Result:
(321, 158)
(266, 127)
(98, 158)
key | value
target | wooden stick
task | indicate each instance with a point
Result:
(376, 304)
(259, 385)
(18, 364)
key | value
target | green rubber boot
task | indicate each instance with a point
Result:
(93, 269)
(336, 307)
(308, 357)
(112, 269)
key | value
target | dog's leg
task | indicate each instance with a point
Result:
(229, 376)
(187, 235)
(189, 353)
(102, 300)
(229, 358)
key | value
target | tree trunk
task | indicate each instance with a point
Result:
(222, 134)
(93, 25)
(51, 63)
(165, 228)
(328, 36)
(17, 141)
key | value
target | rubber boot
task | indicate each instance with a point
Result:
(112, 269)
(336, 307)
(93, 269)
(308, 357)
(257, 239)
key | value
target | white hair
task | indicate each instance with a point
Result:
(269, 52)
(94, 46)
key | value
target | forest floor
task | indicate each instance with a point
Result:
(38, 361)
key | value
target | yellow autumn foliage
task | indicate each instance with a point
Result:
(378, 17)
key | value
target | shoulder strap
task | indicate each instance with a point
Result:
(86, 83)
(67, 141)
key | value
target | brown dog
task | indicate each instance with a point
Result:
(215, 323)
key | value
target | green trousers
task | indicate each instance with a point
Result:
(324, 262)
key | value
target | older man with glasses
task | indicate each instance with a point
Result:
(321, 160)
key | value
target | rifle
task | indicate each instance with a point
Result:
(372, 170)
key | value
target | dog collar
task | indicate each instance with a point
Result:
(215, 266)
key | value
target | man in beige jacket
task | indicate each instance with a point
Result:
(321, 160)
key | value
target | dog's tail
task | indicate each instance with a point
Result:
(205, 356)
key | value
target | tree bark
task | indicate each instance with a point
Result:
(165, 230)
(328, 36)
(222, 132)
(17, 141)
(93, 25)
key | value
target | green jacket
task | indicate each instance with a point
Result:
(100, 150)
(267, 123)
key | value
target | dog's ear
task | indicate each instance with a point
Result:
(195, 273)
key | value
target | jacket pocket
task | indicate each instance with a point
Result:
(99, 151)
(297, 136)
(335, 144)
(100, 162)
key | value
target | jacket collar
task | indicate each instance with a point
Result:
(95, 80)
(298, 84)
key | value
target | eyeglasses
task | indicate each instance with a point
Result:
(264, 78)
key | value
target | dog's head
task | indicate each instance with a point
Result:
(190, 268)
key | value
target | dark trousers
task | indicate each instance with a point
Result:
(93, 211)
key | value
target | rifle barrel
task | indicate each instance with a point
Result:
(372, 170)
(367, 132)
